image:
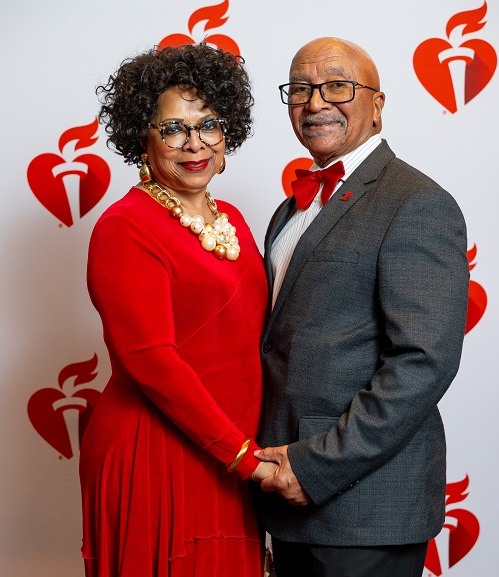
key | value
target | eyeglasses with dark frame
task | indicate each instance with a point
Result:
(334, 91)
(176, 134)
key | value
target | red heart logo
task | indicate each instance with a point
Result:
(46, 412)
(477, 303)
(46, 406)
(50, 190)
(217, 40)
(288, 174)
(463, 536)
(435, 62)
(477, 297)
(46, 174)
(214, 17)
(464, 531)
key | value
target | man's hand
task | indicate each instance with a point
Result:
(283, 480)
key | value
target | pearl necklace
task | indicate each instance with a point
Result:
(218, 238)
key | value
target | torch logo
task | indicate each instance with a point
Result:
(70, 189)
(49, 408)
(214, 18)
(456, 69)
(461, 529)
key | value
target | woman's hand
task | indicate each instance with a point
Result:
(265, 469)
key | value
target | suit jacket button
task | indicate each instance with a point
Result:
(266, 347)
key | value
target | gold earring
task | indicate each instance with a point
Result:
(145, 172)
(222, 166)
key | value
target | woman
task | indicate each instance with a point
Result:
(182, 302)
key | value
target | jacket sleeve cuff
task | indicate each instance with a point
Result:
(312, 481)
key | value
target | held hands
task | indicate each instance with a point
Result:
(263, 470)
(282, 479)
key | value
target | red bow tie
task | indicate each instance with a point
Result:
(307, 184)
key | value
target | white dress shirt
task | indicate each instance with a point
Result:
(286, 241)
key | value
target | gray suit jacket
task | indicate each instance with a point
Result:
(363, 341)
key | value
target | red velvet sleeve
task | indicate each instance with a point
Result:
(129, 283)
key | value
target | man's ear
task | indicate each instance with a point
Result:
(379, 102)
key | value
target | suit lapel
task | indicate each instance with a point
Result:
(340, 203)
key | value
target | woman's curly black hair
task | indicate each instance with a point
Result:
(129, 100)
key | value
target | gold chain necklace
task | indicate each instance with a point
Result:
(218, 238)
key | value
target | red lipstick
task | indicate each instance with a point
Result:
(195, 166)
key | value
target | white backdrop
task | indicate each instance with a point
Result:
(53, 358)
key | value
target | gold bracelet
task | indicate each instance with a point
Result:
(240, 455)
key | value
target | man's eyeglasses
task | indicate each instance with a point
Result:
(334, 92)
(175, 133)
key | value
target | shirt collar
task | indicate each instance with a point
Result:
(351, 160)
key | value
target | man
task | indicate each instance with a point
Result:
(369, 294)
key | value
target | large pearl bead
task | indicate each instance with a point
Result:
(196, 226)
(208, 243)
(202, 235)
(220, 251)
(186, 220)
(232, 253)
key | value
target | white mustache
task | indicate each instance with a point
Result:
(314, 119)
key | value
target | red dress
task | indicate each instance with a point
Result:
(183, 332)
